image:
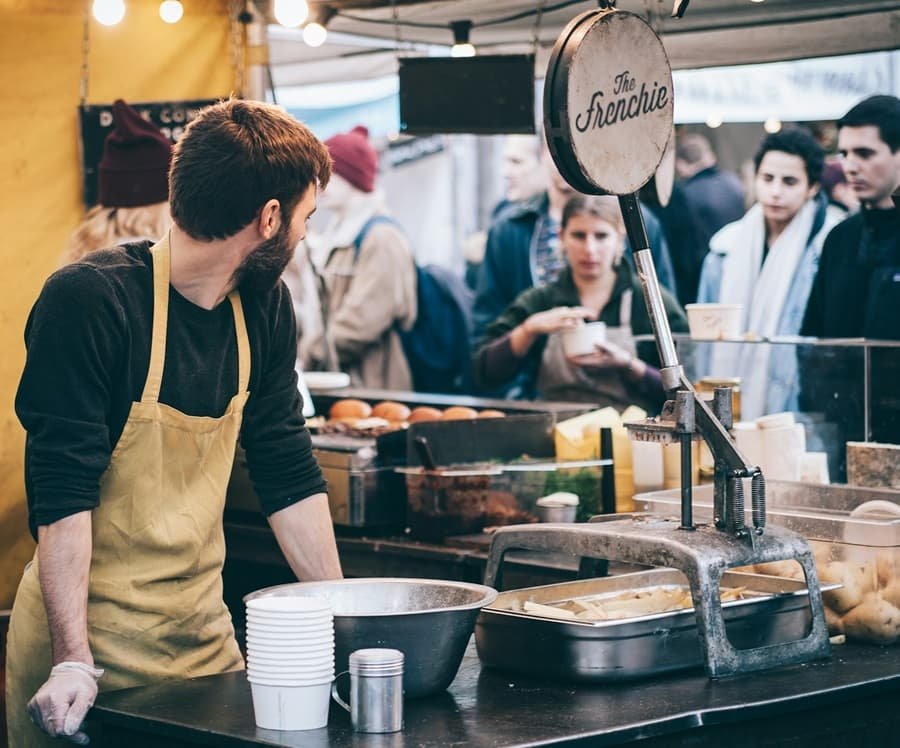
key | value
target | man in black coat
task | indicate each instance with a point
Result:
(857, 290)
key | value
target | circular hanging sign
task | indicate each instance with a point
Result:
(608, 102)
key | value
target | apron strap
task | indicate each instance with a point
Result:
(160, 254)
(243, 341)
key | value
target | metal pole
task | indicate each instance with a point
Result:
(643, 260)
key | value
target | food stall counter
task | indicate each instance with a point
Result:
(848, 699)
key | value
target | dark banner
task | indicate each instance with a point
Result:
(96, 122)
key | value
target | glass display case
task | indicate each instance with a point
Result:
(837, 390)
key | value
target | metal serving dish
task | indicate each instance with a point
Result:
(616, 650)
(430, 621)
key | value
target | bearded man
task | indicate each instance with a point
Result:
(146, 363)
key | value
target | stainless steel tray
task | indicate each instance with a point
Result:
(616, 650)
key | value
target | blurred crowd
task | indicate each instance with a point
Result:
(812, 248)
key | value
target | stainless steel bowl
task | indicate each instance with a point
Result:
(429, 620)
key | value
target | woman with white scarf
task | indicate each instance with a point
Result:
(767, 262)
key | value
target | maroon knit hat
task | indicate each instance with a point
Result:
(134, 169)
(354, 157)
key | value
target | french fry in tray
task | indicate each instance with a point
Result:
(629, 604)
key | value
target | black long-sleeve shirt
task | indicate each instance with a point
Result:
(88, 340)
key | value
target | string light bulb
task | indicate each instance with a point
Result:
(713, 121)
(290, 13)
(314, 34)
(461, 45)
(108, 12)
(772, 125)
(171, 11)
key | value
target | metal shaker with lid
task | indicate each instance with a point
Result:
(376, 690)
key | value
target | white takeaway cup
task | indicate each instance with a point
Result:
(583, 340)
(291, 707)
(293, 604)
(714, 321)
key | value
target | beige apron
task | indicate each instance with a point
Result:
(560, 380)
(155, 608)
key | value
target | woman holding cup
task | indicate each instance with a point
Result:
(573, 339)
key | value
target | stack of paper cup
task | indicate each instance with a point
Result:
(290, 661)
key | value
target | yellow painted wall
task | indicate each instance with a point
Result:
(141, 59)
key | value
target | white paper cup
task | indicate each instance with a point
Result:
(303, 679)
(714, 321)
(313, 659)
(310, 675)
(285, 642)
(319, 629)
(293, 604)
(582, 340)
(299, 620)
(291, 707)
(283, 633)
(288, 648)
(292, 672)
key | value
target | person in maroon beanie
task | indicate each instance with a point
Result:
(368, 275)
(133, 187)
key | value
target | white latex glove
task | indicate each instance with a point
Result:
(60, 705)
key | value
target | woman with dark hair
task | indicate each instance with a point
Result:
(595, 284)
(767, 262)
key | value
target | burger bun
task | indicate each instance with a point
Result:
(459, 413)
(424, 413)
(349, 410)
(391, 411)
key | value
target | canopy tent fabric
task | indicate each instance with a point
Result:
(365, 41)
(792, 91)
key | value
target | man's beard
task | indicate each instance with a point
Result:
(261, 269)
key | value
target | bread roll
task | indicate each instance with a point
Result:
(349, 410)
(875, 620)
(424, 413)
(888, 564)
(891, 593)
(459, 413)
(391, 411)
(492, 414)
(849, 595)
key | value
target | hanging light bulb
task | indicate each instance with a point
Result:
(171, 11)
(772, 125)
(461, 45)
(314, 34)
(108, 12)
(713, 121)
(290, 13)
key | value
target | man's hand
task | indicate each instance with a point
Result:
(60, 705)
